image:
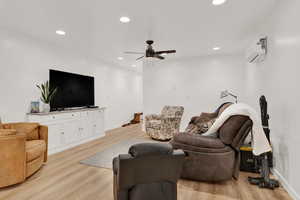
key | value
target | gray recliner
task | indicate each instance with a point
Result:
(149, 171)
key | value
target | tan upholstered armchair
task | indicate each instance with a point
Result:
(165, 125)
(23, 150)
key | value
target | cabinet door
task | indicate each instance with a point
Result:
(99, 122)
(54, 135)
(83, 125)
(71, 131)
(92, 123)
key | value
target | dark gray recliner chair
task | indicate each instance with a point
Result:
(150, 171)
(214, 159)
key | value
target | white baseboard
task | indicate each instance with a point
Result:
(286, 185)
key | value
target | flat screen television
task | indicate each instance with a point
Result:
(73, 90)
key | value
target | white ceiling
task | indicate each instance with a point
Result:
(192, 27)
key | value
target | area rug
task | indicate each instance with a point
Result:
(104, 158)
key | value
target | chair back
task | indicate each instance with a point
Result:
(149, 163)
(234, 131)
(172, 111)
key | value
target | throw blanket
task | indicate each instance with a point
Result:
(260, 143)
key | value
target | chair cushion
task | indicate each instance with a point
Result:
(150, 149)
(34, 149)
(201, 124)
(155, 124)
(198, 140)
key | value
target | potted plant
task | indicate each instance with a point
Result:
(47, 95)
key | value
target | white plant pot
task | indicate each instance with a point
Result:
(46, 108)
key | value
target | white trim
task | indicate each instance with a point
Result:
(285, 184)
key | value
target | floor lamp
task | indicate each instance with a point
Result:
(226, 93)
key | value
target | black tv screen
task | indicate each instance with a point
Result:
(73, 90)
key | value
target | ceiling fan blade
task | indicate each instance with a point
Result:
(167, 51)
(158, 56)
(140, 57)
(133, 52)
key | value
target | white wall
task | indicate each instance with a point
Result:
(122, 94)
(195, 83)
(278, 79)
(25, 62)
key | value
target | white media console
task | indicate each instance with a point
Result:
(70, 128)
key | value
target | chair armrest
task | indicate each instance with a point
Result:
(43, 135)
(116, 164)
(7, 132)
(197, 140)
(18, 125)
(153, 117)
(12, 159)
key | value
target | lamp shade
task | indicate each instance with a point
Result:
(224, 93)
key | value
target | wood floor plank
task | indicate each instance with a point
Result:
(64, 178)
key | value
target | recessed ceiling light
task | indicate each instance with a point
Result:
(124, 19)
(216, 48)
(60, 32)
(133, 65)
(120, 58)
(218, 2)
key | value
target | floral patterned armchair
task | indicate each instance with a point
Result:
(165, 125)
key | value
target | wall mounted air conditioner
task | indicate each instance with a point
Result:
(257, 51)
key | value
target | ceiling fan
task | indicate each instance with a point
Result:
(150, 52)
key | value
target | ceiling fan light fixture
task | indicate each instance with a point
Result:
(124, 19)
(218, 2)
(151, 53)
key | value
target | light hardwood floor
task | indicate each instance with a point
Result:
(63, 178)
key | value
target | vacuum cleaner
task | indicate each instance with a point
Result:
(264, 181)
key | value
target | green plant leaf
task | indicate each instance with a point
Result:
(44, 98)
(43, 88)
(52, 94)
(52, 91)
(47, 89)
(47, 94)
